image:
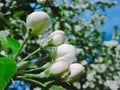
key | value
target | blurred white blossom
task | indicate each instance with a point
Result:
(110, 43)
(91, 75)
(113, 85)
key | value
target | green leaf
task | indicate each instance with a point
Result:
(14, 45)
(54, 87)
(18, 14)
(7, 70)
(4, 41)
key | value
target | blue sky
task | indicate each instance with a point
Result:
(113, 18)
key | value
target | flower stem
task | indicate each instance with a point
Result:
(35, 69)
(33, 81)
(45, 66)
(22, 45)
(34, 52)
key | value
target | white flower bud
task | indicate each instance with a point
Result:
(59, 67)
(68, 57)
(66, 52)
(66, 49)
(39, 22)
(58, 37)
(76, 71)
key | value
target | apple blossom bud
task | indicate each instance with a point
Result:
(65, 49)
(39, 22)
(68, 58)
(58, 37)
(76, 71)
(66, 52)
(59, 67)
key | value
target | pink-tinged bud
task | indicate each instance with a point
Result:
(39, 22)
(59, 67)
(58, 37)
(66, 52)
(76, 71)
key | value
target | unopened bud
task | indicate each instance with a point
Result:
(76, 71)
(65, 49)
(66, 52)
(68, 58)
(58, 37)
(39, 22)
(59, 67)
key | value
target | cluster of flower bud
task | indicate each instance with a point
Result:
(64, 66)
